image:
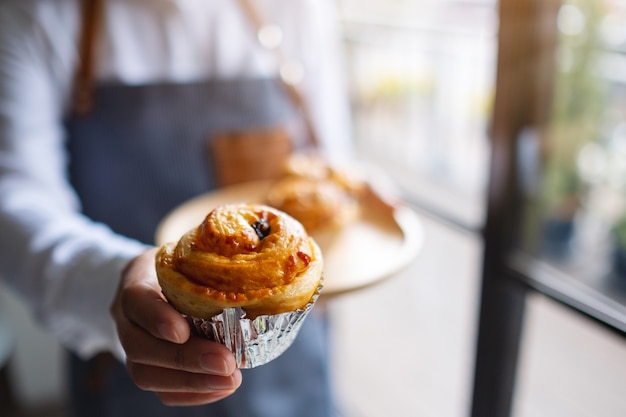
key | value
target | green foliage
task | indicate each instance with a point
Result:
(578, 110)
(619, 232)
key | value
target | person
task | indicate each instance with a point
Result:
(81, 192)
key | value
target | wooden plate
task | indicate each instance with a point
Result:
(379, 244)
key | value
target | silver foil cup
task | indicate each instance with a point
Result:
(253, 342)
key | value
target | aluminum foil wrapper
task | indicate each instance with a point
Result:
(253, 342)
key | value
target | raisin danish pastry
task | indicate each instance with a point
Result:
(249, 256)
(318, 195)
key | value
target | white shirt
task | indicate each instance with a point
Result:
(63, 264)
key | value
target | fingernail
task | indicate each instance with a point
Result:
(168, 332)
(214, 364)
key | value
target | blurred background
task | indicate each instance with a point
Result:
(423, 80)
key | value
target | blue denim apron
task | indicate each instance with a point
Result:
(139, 153)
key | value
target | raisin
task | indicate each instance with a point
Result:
(262, 228)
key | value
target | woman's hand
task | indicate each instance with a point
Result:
(161, 355)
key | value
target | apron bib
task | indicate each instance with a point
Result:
(142, 150)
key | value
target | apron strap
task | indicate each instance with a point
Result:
(82, 95)
(291, 88)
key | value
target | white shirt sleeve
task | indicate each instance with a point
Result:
(63, 264)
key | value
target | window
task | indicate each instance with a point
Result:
(422, 84)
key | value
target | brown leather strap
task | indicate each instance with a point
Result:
(82, 99)
(294, 93)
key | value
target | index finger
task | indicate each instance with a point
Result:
(139, 299)
(145, 306)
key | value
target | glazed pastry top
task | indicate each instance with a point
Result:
(244, 247)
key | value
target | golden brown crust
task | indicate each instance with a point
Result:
(316, 203)
(320, 196)
(242, 255)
